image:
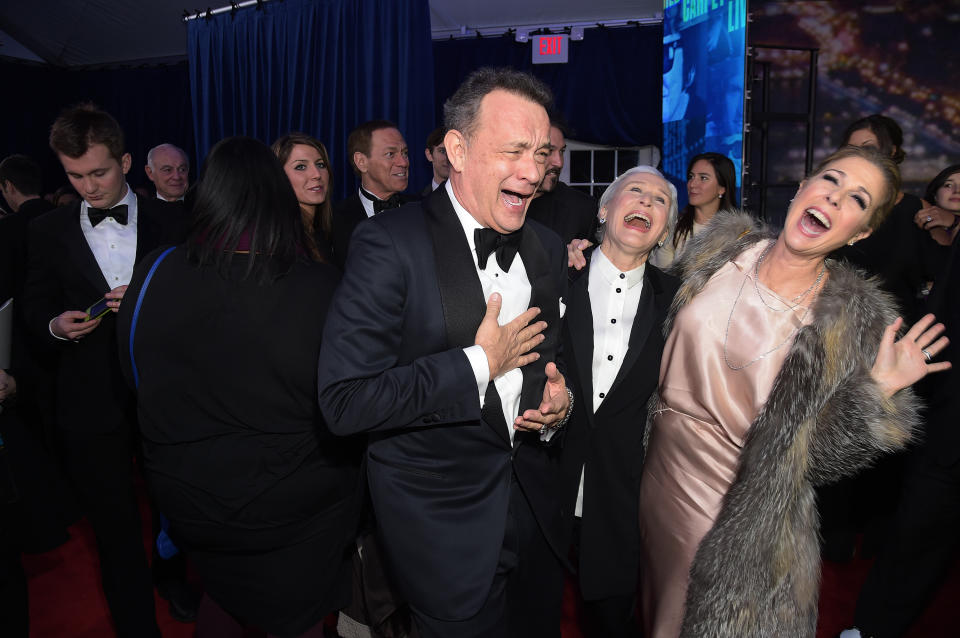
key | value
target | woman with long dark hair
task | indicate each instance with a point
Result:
(307, 165)
(942, 218)
(220, 337)
(711, 186)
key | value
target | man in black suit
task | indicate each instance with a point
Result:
(568, 212)
(436, 154)
(464, 406)
(20, 184)
(79, 254)
(168, 167)
(380, 158)
(614, 372)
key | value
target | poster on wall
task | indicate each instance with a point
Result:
(703, 83)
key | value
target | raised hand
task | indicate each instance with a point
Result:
(901, 363)
(575, 248)
(508, 346)
(553, 408)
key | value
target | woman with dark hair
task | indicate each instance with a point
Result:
(221, 337)
(905, 258)
(711, 183)
(780, 372)
(942, 218)
(307, 165)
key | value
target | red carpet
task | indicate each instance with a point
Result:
(66, 601)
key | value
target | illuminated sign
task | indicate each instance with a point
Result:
(550, 49)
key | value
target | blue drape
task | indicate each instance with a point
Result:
(317, 66)
(609, 91)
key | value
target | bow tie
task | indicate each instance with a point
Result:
(488, 240)
(380, 205)
(97, 215)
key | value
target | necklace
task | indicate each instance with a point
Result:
(726, 332)
(796, 300)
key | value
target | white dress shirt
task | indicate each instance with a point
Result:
(614, 296)
(113, 245)
(515, 290)
(367, 203)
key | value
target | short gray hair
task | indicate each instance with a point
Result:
(614, 189)
(461, 110)
(161, 147)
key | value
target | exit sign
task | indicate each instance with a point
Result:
(550, 49)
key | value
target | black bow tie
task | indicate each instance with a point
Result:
(380, 205)
(488, 240)
(97, 215)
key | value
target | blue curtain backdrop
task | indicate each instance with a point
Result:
(317, 66)
(609, 91)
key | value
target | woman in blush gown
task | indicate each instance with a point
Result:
(781, 371)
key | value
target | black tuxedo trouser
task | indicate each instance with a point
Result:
(919, 551)
(525, 598)
(613, 617)
(101, 467)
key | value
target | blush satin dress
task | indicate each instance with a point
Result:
(698, 431)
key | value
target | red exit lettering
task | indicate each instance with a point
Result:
(550, 46)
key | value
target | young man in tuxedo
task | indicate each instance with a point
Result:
(379, 156)
(464, 404)
(565, 210)
(79, 254)
(436, 154)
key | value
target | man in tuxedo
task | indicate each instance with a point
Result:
(570, 213)
(614, 371)
(79, 254)
(465, 406)
(436, 154)
(168, 167)
(20, 184)
(379, 156)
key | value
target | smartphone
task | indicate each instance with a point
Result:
(98, 309)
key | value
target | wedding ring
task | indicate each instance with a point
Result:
(929, 219)
(927, 355)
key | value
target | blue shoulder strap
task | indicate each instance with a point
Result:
(136, 312)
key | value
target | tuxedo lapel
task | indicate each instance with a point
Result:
(642, 323)
(461, 294)
(579, 318)
(543, 295)
(148, 229)
(79, 253)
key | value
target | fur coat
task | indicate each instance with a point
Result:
(756, 574)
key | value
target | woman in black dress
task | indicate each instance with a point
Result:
(222, 341)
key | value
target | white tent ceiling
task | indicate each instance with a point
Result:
(105, 32)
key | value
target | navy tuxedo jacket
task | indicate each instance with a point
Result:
(610, 440)
(64, 275)
(392, 365)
